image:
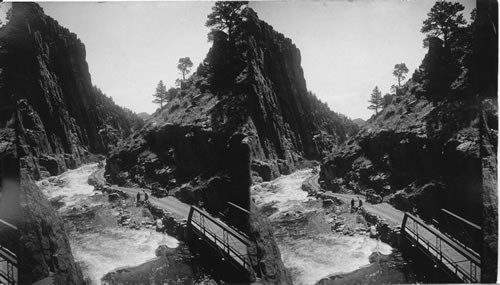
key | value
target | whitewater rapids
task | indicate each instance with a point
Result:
(309, 254)
(100, 250)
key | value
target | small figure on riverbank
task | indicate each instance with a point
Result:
(352, 205)
(138, 198)
(360, 203)
(146, 197)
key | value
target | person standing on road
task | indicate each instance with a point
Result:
(360, 202)
(146, 198)
(352, 204)
(138, 197)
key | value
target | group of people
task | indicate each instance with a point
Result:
(360, 204)
(146, 197)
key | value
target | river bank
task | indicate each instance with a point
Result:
(321, 240)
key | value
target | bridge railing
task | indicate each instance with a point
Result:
(230, 243)
(8, 260)
(460, 260)
(462, 230)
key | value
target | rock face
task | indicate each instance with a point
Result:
(432, 147)
(44, 247)
(62, 116)
(417, 143)
(245, 113)
(60, 120)
(9, 180)
(251, 91)
(264, 252)
(40, 242)
(423, 153)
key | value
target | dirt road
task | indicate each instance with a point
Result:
(383, 210)
(170, 204)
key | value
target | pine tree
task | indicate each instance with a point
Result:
(160, 94)
(400, 71)
(184, 66)
(376, 101)
(444, 20)
(226, 15)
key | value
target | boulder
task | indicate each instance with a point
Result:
(327, 203)
(164, 250)
(266, 170)
(401, 201)
(113, 197)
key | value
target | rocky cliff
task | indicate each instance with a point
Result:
(422, 149)
(486, 81)
(433, 145)
(63, 117)
(44, 248)
(419, 154)
(246, 113)
(250, 90)
(40, 242)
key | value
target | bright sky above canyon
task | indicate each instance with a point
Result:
(347, 47)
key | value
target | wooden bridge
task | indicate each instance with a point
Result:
(230, 243)
(8, 259)
(452, 256)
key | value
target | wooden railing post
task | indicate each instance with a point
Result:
(190, 216)
(403, 224)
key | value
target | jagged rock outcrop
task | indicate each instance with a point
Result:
(264, 251)
(251, 89)
(410, 145)
(246, 111)
(40, 243)
(60, 120)
(63, 117)
(44, 248)
(434, 146)
(489, 142)
(486, 81)
(422, 149)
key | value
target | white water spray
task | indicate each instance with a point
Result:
(105, 250)
(316, 256)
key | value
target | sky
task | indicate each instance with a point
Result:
(347, 47)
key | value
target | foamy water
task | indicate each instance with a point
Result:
(71, 185)
(105, 250)
(285, 191)
(110, 249)
(313, 256)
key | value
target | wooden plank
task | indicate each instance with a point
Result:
(8, 224)
(8, 255)
(239, 208)
(471, 224)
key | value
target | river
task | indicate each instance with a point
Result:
(309, 249)
(98, 244)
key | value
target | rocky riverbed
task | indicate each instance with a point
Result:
(324, 241)
(114, 239)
